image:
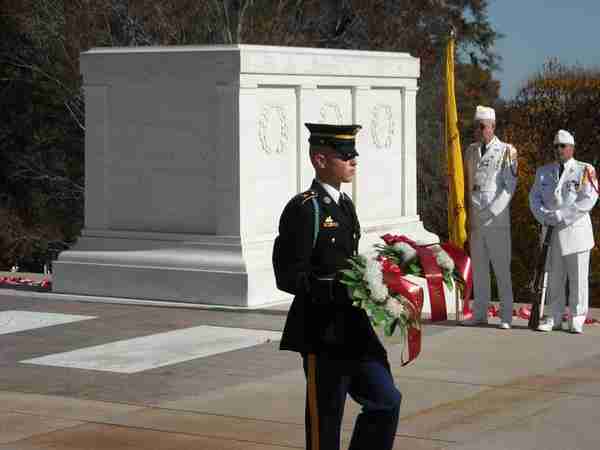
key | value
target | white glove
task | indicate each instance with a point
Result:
(552, 218)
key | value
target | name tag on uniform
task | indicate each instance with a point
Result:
(330, 223)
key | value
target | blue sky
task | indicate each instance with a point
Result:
(536, 30)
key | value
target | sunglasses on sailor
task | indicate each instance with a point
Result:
(560, 145)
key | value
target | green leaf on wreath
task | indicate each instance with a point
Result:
(359, 294)
(380, 314)
(414, 269)
(390, 327)
(448, 280)
(350, 274)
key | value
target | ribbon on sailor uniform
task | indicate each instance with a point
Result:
(590, 174)
(508, 161)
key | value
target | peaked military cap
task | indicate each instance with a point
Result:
(342, 138)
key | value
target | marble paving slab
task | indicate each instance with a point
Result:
(15, 426)
(61, 407)
(106, 437)
(15, 321)
(571, 424)
(158, 350)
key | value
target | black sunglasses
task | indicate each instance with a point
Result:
(560, 145)
(344, 156)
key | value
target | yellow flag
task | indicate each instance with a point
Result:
(457, 214)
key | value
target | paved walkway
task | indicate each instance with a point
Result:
(175, 378)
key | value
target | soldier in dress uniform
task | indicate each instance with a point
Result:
(491, 171)
(341, 353)
(562, 196)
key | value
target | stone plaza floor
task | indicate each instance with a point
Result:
(99, 376)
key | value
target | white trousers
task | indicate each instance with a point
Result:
(491, 244)
(575, 269)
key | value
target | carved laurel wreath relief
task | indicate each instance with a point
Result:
(273, 129)
(331, 113)
(382, 126)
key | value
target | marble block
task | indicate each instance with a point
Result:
(192, 152)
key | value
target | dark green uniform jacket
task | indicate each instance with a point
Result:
(321, 318)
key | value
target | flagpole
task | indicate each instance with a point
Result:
(445, 108)
(452, 35)
(458, 303)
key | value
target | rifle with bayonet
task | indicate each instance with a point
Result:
(539, 284)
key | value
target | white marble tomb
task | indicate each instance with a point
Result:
(192, 152)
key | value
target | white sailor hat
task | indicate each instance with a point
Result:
(485, 113)
(564, 137)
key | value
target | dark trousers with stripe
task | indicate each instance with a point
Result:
(369, 383)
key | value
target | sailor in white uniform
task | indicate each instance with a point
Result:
(491, 172)
(562, 196)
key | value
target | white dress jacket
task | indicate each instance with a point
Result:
(566, 203)
(491, 183)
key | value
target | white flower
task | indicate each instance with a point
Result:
(395, 308)
(444, 261)
(374, 278)
(407, 251)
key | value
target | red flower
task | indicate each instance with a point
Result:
(390, 239)
(524, 312)
(493, 311)
(390, 267)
